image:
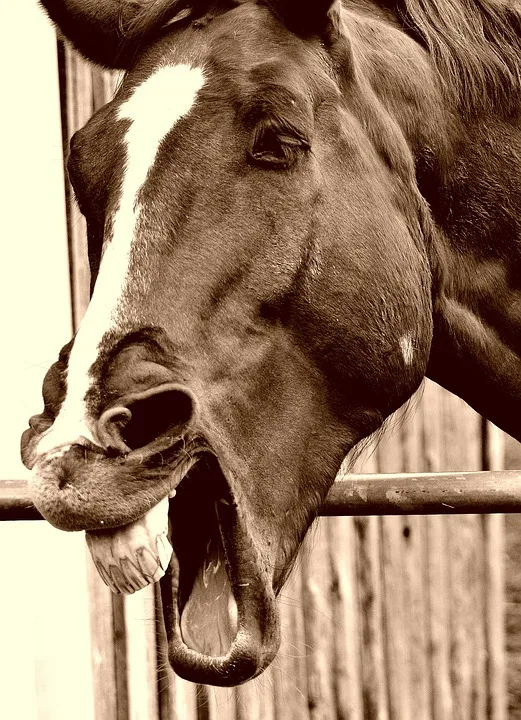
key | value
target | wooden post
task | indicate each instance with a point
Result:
(289, 674)
(317, 622)
(494, 585)
(370, 597)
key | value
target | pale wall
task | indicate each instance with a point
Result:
(45, 658)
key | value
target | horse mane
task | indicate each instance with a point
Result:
(476, 46)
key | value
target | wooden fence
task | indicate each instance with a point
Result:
(384, 618)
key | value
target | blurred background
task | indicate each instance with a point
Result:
(404, 618)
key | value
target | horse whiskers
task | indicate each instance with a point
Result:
(75, 489)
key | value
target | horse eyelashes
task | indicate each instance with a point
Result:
(276, 146)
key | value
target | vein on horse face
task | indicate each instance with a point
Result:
(153, 108)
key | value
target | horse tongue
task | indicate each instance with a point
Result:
(209, 618)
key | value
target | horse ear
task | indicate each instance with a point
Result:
(110, 32)
(313, 17)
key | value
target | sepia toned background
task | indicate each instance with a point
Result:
(383, 619)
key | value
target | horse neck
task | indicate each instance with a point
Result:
(468, 172)
(476, 214)
(475, 351)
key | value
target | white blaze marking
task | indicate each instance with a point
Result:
(407, 348)
(153, 109)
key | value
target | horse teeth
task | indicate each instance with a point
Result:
(148, 563)
(131, 557)
(165, 551)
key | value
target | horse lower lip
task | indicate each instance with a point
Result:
(245, 638)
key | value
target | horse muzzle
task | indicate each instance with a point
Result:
(139, 448)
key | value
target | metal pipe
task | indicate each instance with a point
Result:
(398, 494)
(15, 501)
(426, 494)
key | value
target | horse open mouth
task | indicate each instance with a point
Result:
(218, 599)
(207, 609)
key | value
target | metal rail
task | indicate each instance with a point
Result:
(398, 494)
(15, 501)
(426, 494)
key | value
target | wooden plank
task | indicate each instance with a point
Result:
(268, 707)
(414, 549)
(395, 604)
(255, 700)
(221, 704)
(119, 638)
(404, 563)
(103, 645)
(374, 685)
(318, 625)
(289, 673)
(465, 553)
(438, 590)
(177, 698)
(140, 619)
(493, 528)
(249, 699)
(468, 672)
(494, 595)
(437, 574)
(370, 615)
(78, 98)
(346, 620)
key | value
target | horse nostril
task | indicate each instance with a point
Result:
(143, 417)
(110, 428)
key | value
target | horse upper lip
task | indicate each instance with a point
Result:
(80, 488)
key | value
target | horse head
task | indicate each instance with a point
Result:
(261, 300)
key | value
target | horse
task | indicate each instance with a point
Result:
(296, 213)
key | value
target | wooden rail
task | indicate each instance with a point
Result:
(363, 495)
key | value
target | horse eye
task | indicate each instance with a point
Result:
(274, 148)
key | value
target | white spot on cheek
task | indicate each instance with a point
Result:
(153, 108)
(407, 348)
